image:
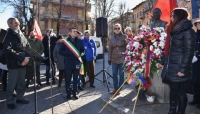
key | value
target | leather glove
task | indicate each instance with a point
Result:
(109, 62)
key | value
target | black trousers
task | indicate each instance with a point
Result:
(4, 79)
(61, 76)
(30, 74)
(196, 88)
(89, 68)
(69, 73)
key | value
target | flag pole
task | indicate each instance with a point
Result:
(113, 96)
(136, 98)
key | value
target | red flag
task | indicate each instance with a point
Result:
(166, 7)
(37, 30)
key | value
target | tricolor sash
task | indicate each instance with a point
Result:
(73, 49)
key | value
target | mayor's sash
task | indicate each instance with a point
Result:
(73, 49)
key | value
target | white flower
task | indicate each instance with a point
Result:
(142, 27)
(157, 51)
(151, 47)
(141, 36)
(155, 44)
(127, 47)
(153, 40)
(136, 44)
(162, 38)
(157, 29)
(161, 45)
(163, 34)
(161, 28)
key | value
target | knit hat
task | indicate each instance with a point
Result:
(197, 21)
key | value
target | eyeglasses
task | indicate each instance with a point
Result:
(116, 28)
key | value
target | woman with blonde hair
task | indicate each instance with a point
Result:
(117, 45)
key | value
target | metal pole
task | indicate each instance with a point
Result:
(35, 91)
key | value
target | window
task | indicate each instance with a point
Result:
(97, 44)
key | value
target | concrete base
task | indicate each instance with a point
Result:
(160, 89)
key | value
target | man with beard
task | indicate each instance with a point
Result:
(16, 61)
(37, 45)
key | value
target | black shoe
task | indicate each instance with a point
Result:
(47, 83)
(40, 84)
(92, 86)
(11, 106)
(83, 85)
(198, 105)
(23, 101)
(68, 96)
(192, 102)
(14, 95)
(80, 88)
(75, 97)
(53, 82)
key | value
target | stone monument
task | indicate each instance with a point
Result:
(161, 90)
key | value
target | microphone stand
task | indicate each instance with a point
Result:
(50, 69)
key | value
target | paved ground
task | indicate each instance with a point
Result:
(88, 103)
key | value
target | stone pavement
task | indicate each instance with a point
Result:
(88, 103)
(122, 104)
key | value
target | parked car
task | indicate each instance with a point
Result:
(99, 46)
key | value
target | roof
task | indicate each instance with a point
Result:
(138, 5)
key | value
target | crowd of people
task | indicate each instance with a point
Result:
(67, 54)
(20, 74)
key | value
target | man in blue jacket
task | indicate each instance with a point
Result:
(88, 58)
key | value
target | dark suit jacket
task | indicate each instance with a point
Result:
(10, 45)
(70, 59)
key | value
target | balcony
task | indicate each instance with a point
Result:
(141, 16)
(133, 20)
(47, 15)
(32, 1)
(79, 4)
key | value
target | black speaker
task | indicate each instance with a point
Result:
(101, 27)
(2, 35)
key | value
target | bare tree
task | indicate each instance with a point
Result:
(105, 7)
(23, 11)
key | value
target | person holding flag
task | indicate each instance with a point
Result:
(72, 49)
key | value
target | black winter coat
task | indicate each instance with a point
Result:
(71, 61)
(180, 55)
(10, 45)
(53, 42)
(196, 65)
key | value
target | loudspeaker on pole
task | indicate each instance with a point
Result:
(101, 27)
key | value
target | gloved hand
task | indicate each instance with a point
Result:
(109, 62)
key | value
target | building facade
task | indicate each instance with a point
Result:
(72, 15)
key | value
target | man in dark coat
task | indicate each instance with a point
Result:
(195, 69)
(53, 39)
(72, 63)
(16, 61)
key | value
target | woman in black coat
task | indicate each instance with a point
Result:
(178, 63)
(195, 69)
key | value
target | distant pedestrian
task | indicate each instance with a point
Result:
(178, 62)
(59, 60)
(117, 45)
(16, 60)
(128, 32)
(195, 69)
(53, 39)
(37, 45)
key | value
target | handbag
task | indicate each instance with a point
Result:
(2, 57)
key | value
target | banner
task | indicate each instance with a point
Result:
(195, 8)
(37, 31)
(166, 6)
